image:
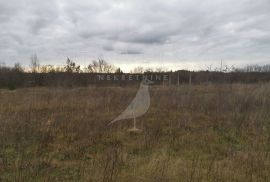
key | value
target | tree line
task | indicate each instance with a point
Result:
(102, 66)
(96, 66)
(73, 75)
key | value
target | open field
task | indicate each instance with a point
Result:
(192, 133)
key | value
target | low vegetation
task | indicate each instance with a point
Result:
(211, 132)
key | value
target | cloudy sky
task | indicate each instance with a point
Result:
(169, 33)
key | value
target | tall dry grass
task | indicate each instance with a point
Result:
(190, 133)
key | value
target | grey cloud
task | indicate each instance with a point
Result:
(131, 52)
(123, 49)
(108, 48)
(155, 29)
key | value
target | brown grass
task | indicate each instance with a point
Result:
(190, 133)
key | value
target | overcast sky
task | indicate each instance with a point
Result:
(170, 33)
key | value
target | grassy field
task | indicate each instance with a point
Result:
(190, 133)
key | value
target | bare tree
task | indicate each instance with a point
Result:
(47, 69)
(148, 70)
(71, 67)
(118, 70)
(34, 65)
(138, 69)
(18, 67)
(161, 69)
(100, 66)
(254, 68)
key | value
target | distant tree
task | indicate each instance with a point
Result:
(209, 68)
(254, 68)
(47, 69)
(34, 65)
(71, 67)
(138, 69)
(118, 70)
(266, 68)
(93, 67)
(17, 67)
(161, 69)
(148, 70)
(100, 66)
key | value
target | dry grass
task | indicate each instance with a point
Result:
(197, 133)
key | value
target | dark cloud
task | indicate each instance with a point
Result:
(131, 52)
(108, 48)
(164, 30)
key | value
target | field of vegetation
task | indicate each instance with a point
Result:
(210, 132)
